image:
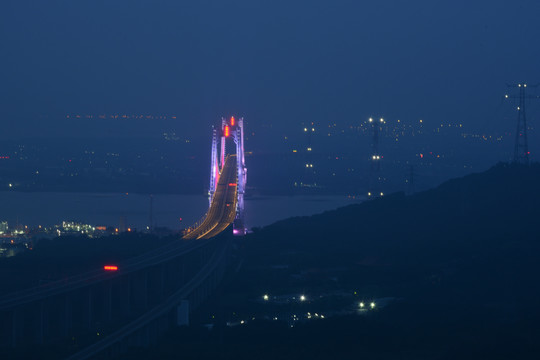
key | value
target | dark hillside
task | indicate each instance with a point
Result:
(479, 222)
(459, 264)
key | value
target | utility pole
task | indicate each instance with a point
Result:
(151, 227)
(521, 146)
(410, 184)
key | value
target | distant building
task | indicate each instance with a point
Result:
(4, 227)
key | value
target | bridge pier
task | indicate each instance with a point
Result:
(108, 300)
(161, 282)
(182, 313)
(125, 292)
(143, 285)
(67, 318)
(88, 312)
(17, 328)
(40, 327)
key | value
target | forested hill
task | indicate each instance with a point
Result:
(473, 213)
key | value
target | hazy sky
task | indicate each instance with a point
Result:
(279, 62)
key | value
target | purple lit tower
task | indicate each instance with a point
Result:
(214, 168)
(230, 129)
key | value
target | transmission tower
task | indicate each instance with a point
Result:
(375, 173)
(521, 146)
(309, 179)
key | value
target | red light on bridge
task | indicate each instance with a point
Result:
(226, 132)
(232, 120)
(110, 268)
(232, 184)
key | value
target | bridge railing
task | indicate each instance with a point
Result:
(195, 225)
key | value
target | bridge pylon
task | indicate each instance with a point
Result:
(231, 128)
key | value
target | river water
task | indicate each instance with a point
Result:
(133, 210)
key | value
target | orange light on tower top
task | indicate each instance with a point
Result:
(226, 131)
(110, 267)
(232, 120)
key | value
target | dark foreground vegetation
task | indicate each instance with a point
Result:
(461, 263)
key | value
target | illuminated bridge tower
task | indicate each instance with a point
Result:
(234, 129)
(214, 168)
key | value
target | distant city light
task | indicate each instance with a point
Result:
(372, 305)
(266, 297)
(110, 267)
(362, 304)
(302, 298)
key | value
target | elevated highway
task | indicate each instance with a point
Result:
(105, 312)
(222, 210)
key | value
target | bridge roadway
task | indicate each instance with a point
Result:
(223, 208)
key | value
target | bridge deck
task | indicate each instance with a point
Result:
(223, 208)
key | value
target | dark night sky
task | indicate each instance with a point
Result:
(279, 62)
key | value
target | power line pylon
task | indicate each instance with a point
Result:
(375, 173)
(309, 179)
(521, 146)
